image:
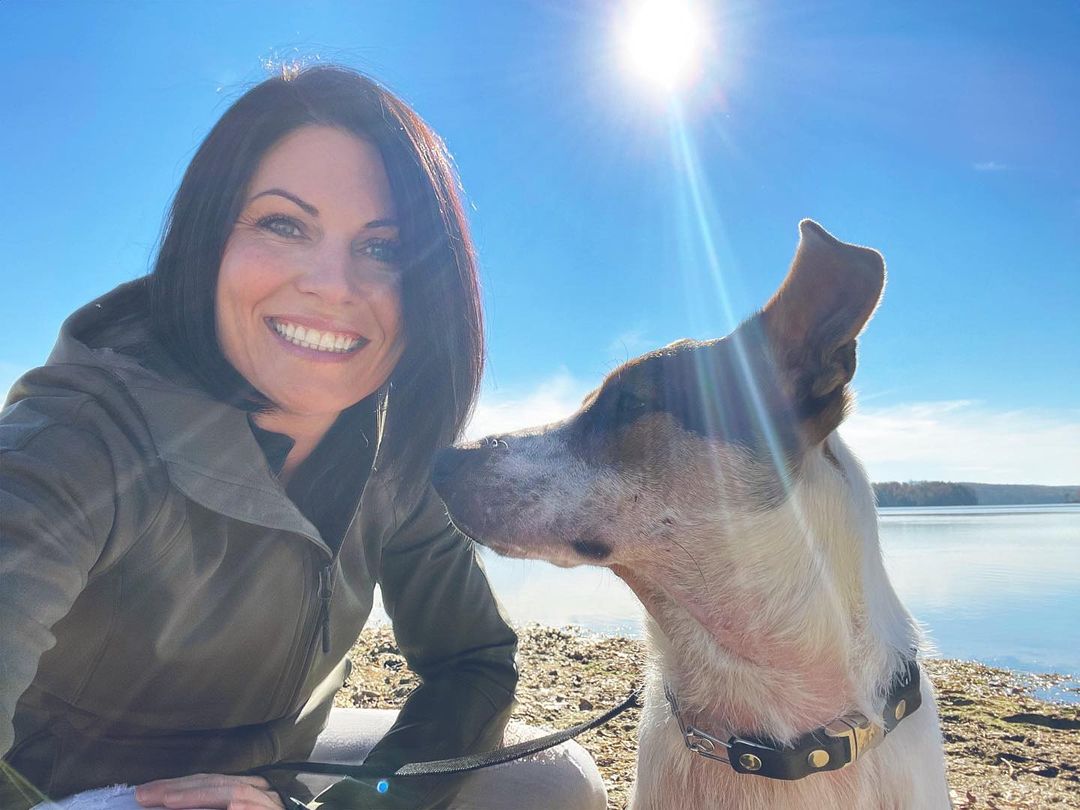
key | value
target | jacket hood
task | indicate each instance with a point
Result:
(207, 445)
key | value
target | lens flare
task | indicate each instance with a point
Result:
(692, 175)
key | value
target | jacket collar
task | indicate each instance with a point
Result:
(207, 446)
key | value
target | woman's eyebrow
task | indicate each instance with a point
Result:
(311, 209)
(382, 223)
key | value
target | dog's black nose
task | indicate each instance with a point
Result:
(447, 464)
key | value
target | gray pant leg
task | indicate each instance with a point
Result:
(564, 777)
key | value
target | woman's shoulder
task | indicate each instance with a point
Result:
(78, 452)
(74, 440)
(78, 405)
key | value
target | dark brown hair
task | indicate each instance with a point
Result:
(435, 384)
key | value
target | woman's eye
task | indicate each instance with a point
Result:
(286, 227)
(386, 251)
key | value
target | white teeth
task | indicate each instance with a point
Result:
(314, 339)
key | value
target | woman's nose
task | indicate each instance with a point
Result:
(333, 275)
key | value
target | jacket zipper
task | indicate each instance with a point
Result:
(326, 590)
(322, 620)
(321, 628)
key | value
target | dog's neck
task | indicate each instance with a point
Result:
(787, 653)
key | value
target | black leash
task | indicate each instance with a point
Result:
(469, 762)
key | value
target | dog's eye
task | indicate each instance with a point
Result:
(629, 404)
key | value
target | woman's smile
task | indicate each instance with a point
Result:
(319, 344)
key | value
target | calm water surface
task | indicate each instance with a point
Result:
(999, 585)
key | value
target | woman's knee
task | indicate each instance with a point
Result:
(564, 777)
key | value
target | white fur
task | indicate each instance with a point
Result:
(845, 612)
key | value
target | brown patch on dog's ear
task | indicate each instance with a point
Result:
(812, 321)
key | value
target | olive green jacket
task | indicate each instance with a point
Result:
(166, 609)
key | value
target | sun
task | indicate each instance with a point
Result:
(661, 42)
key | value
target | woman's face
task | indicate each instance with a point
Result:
(309, 295)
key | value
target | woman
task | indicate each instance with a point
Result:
(202, 486)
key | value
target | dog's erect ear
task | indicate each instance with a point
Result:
(812, 321)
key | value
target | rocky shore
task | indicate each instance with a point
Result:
(1005, 748)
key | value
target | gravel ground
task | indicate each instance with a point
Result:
(1005, 748)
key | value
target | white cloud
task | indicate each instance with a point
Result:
(989, 166)
(966, 441)
(946, 440)
(551, 399)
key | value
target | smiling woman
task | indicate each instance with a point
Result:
(201, 488)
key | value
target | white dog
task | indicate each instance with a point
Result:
(709, 477)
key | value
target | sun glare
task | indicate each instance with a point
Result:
(661, 42)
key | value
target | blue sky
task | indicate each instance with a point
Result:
(943, 134)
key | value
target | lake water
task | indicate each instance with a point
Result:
(999, 585)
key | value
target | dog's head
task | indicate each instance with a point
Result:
(693, 434)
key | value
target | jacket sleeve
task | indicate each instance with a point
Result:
(449, 627)
(66, 457)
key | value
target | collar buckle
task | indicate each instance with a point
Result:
(862, 735)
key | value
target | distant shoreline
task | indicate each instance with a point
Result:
(968, 493)
(979, 506)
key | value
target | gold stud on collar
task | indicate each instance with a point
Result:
(818, 758)
(750, 762)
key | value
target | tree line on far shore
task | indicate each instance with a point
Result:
(924, 493)
(951, 493)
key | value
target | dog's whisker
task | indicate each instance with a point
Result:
(693, 559)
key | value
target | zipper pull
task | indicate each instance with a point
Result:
(326, 590)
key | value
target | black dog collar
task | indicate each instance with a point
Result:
(828, 748)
